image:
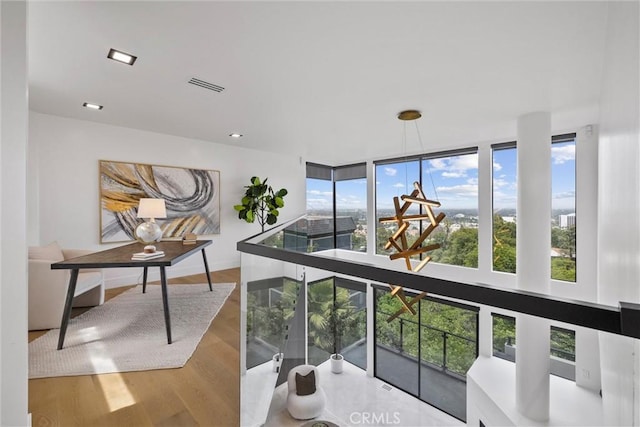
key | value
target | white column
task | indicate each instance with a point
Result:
(533, 265)
(13, 249)
(619, 208)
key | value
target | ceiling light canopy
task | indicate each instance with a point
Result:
(123, 57)
(92, 106)
(409, 115)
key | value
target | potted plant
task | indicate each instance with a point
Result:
(260, 202)
(342, 319)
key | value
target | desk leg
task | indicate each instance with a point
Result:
(66, 313)
(144, 280)
(165, 303)
(206, 269)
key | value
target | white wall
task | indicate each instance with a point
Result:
(13, 170)
(66, 199)
(619, 208)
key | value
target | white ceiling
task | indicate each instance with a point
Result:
(322, 80)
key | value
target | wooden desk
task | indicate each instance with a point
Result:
(174, 252)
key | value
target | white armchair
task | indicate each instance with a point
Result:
(309, 404)
(48, 288)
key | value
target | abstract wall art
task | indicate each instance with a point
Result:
(192, 198)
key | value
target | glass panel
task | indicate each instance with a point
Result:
(563, 214)
(270, 306)
(504, 337)
(448, 349)
(339, 326)
(453, 181)
(319, 306)
(394, 180)
(354, 335)
(351, 214)
(562, 345)
(504, 209)
(319, 222)
(396, 345)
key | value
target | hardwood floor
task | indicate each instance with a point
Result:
(206, 391)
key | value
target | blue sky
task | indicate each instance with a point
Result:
(452, 180)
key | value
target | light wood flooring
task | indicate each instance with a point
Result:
(206, 391)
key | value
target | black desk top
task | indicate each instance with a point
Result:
(174, 252)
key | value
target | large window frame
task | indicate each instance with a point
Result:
(423, 172)
(336, 175)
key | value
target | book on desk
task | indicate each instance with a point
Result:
(141, 256)
(189, 239)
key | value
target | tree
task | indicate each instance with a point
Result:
(261, 202)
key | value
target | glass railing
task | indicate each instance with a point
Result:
(283, 254)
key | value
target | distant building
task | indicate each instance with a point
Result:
(317, 233)
(511, 219)
(567, 221)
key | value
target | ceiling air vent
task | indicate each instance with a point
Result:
(206, 85)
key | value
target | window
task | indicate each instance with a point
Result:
(337, 320)
(336, 208)
(429, 354)
(504, 207)
(394, 180)
(563, 208)
(562, 345)
(351, 207)
(451, 179)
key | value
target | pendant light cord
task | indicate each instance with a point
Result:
(433, 185)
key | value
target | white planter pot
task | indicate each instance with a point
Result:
(336, 363)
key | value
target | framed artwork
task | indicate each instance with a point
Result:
(192, 199)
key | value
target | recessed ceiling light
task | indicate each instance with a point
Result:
(125, 58)
(92, 106)
(235, 135)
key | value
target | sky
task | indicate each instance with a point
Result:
(452, 180)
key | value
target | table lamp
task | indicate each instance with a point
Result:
(150, 232)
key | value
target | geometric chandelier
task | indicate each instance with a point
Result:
(398, 240)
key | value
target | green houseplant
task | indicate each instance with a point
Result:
(261, 202)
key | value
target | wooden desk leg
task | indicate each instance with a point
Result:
(206, 269)
(144, 280)
(68, 304)
(165, 303)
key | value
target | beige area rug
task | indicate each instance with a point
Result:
(128, 333)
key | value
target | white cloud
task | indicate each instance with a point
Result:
(453, 175)
(563, 154)
(319, 204)
(497, 166)
(399, 185)
(390, 171)
(319, 193)
(565, 195)
(454, 167)
(463, 190)
(472, 181)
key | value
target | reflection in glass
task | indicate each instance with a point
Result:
(337, 321)
(270, 306)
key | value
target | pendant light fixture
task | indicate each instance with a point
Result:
(399, 241)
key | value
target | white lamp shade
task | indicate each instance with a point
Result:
(152, 208)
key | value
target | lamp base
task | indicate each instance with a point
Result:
(148, 232)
